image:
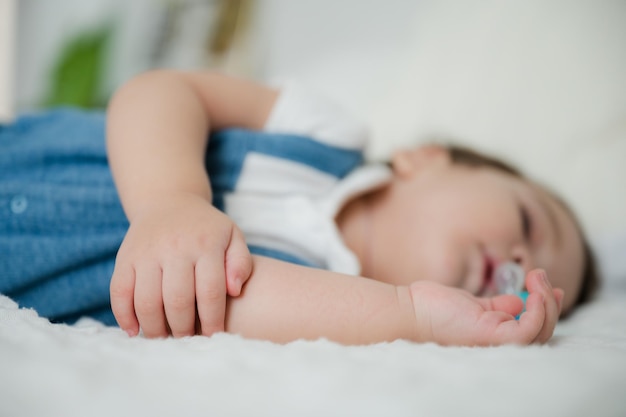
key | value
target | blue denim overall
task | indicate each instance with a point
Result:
(61, 221)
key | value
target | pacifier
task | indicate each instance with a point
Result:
(509, 279)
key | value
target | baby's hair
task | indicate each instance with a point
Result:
(591, 278)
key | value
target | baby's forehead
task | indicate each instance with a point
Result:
(552, 204)
(534, 187)
(551, 197)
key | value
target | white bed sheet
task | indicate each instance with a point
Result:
(90, 370)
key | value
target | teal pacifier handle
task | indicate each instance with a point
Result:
(523, 295)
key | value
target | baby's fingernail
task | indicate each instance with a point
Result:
(131, 332)
(559, 299)
(238, 283)
(544, 277)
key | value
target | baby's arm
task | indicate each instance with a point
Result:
(180, 252)
(284, 302)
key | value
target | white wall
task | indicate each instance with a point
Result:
(540, 83)
(44, 26)
(7, 58)
(317, 41)
(139, 26)
(346, 49)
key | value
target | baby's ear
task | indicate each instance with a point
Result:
(406, 162)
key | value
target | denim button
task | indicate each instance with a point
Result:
(19, 203)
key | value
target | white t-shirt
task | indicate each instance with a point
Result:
(288, 183)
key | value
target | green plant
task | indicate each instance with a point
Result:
(77, 75)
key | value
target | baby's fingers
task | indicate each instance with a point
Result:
(122, 290)
(211, 294)
(531, 322)
(149, 300)
(238, 263)
(559, 294)
(523, 331)
(537, 282)
(179, 297)
(507, 303)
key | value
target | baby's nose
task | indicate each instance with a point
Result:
(520, 254)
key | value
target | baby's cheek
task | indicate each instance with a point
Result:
(445, 268)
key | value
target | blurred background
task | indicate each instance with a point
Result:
(539, 83)
(77, 52)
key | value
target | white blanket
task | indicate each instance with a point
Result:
(90, 370)
(556, 59)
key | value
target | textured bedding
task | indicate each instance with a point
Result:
(552, 95)
(91, 370)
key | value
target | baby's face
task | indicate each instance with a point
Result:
(454, 224)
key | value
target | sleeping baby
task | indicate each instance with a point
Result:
(289, 236)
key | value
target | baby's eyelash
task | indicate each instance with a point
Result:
(526, 222)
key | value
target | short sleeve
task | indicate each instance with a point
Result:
(301, 111)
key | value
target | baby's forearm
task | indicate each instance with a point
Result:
(284, 302)
(156, 136)
(158, 126)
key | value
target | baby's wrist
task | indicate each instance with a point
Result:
(412, 330)
(422, 295)
(151, 202)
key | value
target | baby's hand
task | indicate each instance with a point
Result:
(451, 316)
(175, 266)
